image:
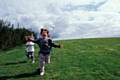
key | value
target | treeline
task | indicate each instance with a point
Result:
(10, 36)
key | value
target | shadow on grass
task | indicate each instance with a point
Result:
(18, 76)
(14, 63)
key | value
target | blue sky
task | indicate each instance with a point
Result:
(65, 18)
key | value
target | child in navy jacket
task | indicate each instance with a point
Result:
(45, 44)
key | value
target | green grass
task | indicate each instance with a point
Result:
(84, 59)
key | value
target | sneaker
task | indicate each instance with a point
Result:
(42, 73)
(33, 62)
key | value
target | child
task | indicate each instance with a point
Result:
(30, 48)
(45, 44)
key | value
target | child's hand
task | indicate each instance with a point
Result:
(25, 37)
(61, 46)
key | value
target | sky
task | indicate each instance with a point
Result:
(65, 18)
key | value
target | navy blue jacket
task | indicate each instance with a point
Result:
(45, 45)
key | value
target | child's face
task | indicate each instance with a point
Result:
(44, 34)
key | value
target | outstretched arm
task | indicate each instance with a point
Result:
(53, 44)
(33, 40)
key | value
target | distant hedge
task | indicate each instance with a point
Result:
(10, 36)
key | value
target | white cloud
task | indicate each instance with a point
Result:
(66, 18)
(111, 6)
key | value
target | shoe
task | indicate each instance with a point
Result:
(42, 73)
(33, 62)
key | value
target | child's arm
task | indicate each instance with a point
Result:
(54, 45)
(35, 41)
(25, 37)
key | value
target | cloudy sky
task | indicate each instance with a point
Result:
(65, 18)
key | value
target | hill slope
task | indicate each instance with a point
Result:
(84, 59)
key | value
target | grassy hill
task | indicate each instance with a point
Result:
(84, 59)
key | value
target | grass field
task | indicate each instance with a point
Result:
(84, 59)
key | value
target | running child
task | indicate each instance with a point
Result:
(30, 47)
(45, 44)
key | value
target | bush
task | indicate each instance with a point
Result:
(10, 36)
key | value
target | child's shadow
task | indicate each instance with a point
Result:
(18, 76)
(14, 63)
